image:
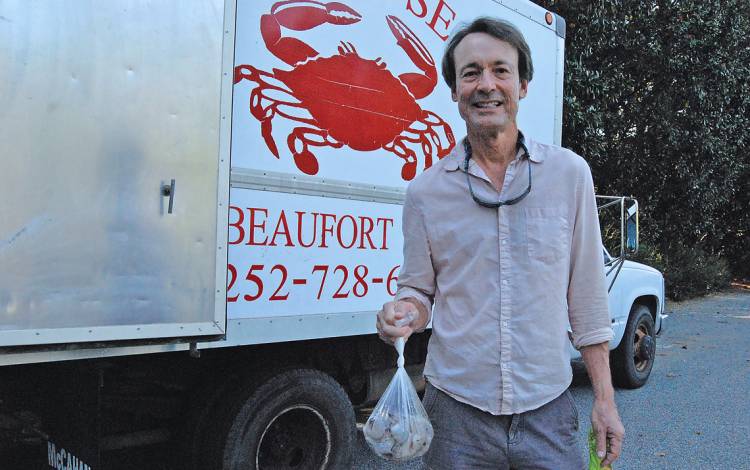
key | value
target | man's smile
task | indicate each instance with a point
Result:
(487, 104)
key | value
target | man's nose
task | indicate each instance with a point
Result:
(486, 82)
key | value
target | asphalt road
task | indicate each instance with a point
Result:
(694, 412)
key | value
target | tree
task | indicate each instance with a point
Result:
(657, 99)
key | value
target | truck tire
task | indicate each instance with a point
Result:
(298, 419)
(633, 359)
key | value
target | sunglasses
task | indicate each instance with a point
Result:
(508, 202)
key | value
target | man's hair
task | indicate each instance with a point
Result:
(498, 29)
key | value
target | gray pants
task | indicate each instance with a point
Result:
(469, 438)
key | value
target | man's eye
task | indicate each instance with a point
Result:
(469, 73)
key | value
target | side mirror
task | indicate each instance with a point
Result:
(631, 229)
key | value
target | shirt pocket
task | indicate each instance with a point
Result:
(547, 235)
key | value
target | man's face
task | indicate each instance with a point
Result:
(488, 88)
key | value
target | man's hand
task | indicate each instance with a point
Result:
(605, 421)
(398, 319)
(608, 429)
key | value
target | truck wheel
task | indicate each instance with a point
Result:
(301, 418)
(633, 359)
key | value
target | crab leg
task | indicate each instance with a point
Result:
(424, 132)
(433, 122)
(248, 72)
(263, 107)
(260, 97)
(409, 170)
(300, 15)
(425, 139)
(304, 158)
(419, 84)
(265, 116)
(262, 111)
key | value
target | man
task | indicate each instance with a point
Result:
(506, 267)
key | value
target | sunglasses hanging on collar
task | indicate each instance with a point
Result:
(520, 144)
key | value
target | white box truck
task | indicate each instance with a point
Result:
(200, 217)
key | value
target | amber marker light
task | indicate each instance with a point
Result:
(548, 18)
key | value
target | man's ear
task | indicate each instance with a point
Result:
(454, 96)
(523, 89)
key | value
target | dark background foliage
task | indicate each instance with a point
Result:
(657, 99)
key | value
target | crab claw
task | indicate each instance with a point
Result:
(341, 14)
(419, 84)
(301, 15)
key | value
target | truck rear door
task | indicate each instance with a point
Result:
(114, 136)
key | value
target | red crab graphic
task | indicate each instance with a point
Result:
(352, 101)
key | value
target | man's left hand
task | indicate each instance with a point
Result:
(608, 429)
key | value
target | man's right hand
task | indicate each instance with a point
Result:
(397, 319)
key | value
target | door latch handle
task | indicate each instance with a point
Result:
(168, 190)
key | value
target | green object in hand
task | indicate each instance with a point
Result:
(595, 462)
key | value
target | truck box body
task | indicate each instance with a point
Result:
(129, 236)
(107, 105)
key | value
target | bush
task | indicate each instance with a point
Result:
(688, 270)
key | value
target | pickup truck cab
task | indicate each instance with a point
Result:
(636, 303)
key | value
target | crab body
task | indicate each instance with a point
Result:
(371, 99)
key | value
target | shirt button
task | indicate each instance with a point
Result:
(504, 366)
(505, 282)
(504, 241)
(505, 324)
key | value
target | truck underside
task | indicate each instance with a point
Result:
(119, 409)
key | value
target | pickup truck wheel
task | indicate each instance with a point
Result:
(633, 359)
(301, 418)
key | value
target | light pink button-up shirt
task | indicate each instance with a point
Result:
(505, 282)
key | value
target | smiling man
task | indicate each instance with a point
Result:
(501, 250)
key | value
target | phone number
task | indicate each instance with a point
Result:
(355, 282)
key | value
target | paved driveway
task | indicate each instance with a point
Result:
(694, 412)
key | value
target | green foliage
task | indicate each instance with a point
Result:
(657, 99)
(689, 270)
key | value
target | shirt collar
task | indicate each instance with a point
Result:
(455, 159)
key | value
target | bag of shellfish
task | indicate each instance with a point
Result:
(399, 428)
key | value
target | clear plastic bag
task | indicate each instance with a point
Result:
(399, 428)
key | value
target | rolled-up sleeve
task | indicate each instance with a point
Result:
(587, 292)
(417, 276)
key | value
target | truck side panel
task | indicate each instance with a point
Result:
(324, 240)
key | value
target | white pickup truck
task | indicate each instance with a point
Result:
(636, 301)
